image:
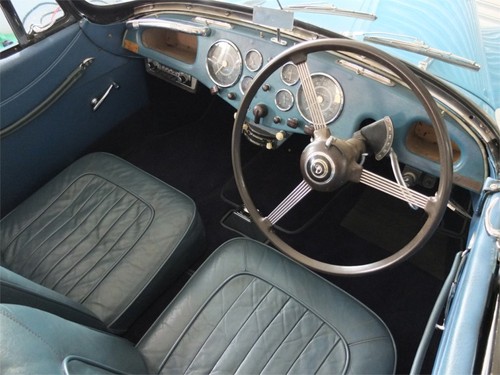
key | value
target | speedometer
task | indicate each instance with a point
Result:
(224, 63)
(328, 95)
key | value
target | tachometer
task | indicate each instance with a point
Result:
(224, 63)
(329, 96)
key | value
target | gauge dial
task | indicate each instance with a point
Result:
(289, 74)
(245, 84)
(284, 100)
(224, 63)
(329, 96)
(253, 60)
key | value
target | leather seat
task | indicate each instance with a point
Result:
(247, 310)
(98, 243)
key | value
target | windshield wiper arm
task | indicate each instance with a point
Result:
(418, 46)
(330, 9)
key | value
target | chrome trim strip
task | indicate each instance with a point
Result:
(184, 27)
(330, 9)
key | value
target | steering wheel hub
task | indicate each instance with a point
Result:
(327, 162)
(320, 168)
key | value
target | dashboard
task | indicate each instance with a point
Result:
(224, 56)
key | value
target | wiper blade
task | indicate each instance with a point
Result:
(420, 47)
(323, 8)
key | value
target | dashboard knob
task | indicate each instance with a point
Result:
(152, 66)
(280, 135)
(259, 111)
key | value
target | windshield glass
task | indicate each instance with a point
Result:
(455, 40)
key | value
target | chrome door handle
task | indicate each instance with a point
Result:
(96, 102)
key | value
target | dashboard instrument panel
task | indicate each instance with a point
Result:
(227, 57)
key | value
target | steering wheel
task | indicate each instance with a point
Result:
(328, 163)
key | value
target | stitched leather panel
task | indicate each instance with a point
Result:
(249, 309)
(249, 326)
(80, 237)
(17, 289)
(106, 235)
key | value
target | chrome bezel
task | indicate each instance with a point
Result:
(241, 83)
(260, 57)
(214, 79)
(283, 79)
(339, 90)
(284, 109)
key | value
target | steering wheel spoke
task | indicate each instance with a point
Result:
(311, 96)
(396, 190)
(289, 202)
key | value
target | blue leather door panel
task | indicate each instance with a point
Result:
(35, 152)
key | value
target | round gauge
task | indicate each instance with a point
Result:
(224, 63)
(289, 74)
(284, 100)
(329, 96)
(253, 60)
(245, 83)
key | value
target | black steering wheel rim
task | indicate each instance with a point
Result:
(437, 204)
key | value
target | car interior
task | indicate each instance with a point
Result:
(168, 205)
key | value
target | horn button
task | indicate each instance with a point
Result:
(320, 168)
(327, 162)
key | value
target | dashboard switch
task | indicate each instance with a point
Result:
(292, 122)
(214, 90)
(309, 129)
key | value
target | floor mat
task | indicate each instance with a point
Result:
(390, 224)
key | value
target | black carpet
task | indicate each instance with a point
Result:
(190, 149)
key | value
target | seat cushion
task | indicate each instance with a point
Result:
(104, 234)
(251, 310)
